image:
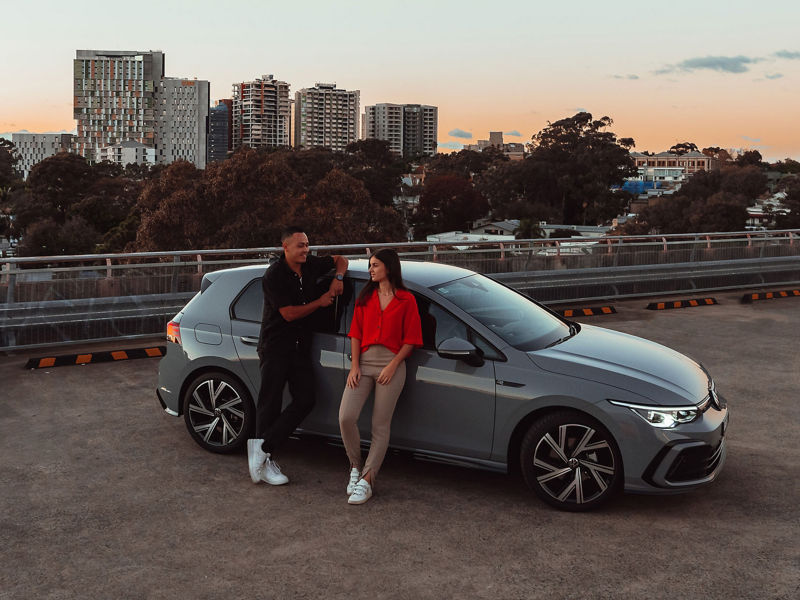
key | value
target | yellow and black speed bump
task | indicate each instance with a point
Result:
(587, 312)
(770, 295)
(681, 303)
(94, 357)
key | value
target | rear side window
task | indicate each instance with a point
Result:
(249, 306)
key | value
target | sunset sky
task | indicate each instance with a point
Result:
(723, 74)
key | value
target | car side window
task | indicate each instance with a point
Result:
(336, 317)
(249, 306)
(439, 325)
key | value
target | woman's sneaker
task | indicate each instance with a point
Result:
(272, 473)
(354, 477)
(361, 493)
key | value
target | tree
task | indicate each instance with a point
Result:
(719, 153)
(8, 161)
(749, 158)
(787, 166)
(60, 181)
(528, 230)
(749, 181)
(791, 220)
(682, 148)
(724, 211)
(582, 162)
(373, 163)
(449, 203)
(465, 163)
(49, 238)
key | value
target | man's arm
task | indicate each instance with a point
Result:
(292, 313)
(337, 287)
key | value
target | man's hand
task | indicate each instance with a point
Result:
(337, 287)
(325, 300)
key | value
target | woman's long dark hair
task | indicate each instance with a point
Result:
(392, 262)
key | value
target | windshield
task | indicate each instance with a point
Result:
(510, 315)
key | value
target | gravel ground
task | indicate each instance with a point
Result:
(103, 495)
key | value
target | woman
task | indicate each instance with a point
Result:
(384, 331)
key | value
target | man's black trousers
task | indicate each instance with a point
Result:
(293, 367)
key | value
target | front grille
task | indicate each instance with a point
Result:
(695, 463)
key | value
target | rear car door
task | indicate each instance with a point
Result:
(327, 352)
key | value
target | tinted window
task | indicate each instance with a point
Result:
(250, 304)
(513, 317)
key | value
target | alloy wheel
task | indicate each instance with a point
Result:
(574, 463)
(216, 412)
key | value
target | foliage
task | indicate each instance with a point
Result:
(749, 158)
(448, 203)
(245, 202)
(719, 153)
(528, 230)
(683, 148)
(787, 166)
(8, 160)
(791, 202)
(48, 237)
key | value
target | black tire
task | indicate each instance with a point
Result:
(571, 461)
(219, 412)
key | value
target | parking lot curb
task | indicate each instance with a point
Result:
(681, 303)
(587, 312)
(95, 357)
(770, 295)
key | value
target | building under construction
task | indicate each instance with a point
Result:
(261, 113)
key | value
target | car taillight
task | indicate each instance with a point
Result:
(174, 332)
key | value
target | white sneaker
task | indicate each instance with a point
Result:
(256, 459)
(361, 493)
(354, 477)
(272, 473)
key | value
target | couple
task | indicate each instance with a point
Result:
(385, 329)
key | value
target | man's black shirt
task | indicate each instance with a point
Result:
(282, 287)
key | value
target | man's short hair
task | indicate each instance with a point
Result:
(290, 231)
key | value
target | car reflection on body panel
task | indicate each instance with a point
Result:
(501, 382)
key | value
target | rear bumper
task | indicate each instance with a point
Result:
(166, 408)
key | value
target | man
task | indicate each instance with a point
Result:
(284, 347)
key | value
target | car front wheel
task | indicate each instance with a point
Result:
(219, 412)
(571, 461)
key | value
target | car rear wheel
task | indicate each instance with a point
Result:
(571, 461)
(219, 412)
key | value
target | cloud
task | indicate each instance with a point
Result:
(721, 64)
(787, 55)
(625, 77)
(513, 132)
(450, 145)
(459, 133)
(773, 75)
(749, 139)
(577, 110)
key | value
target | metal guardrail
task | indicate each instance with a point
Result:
(47, 301)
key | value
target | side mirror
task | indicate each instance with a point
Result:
(458, 349)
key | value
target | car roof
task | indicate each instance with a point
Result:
(425, 274)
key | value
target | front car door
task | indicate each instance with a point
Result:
(446, 406)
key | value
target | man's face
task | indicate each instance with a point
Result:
(296, 248)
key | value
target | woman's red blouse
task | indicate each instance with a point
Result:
(393, 327)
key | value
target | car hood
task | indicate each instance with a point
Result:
(645, 368)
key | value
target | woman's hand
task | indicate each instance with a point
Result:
(354, 377)
(387, 373)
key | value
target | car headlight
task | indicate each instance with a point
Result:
(663, 417)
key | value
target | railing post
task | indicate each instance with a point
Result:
(200, 266)
(502, 252)
(433, 250)
(108, 270)
(11, 279)
(175, 272)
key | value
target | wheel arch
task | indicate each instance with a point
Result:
(517, 435)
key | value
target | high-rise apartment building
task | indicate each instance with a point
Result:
(410, 129)
(32, 148)
(124, 96)
(126, 153)
(261, 113)
(326, 116)
(181, 120)
(115, 98)
(219, 132)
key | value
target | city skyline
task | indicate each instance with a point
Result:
(713, 77)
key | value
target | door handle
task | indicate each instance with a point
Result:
(251, 341)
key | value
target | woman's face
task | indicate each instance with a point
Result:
(377, 270)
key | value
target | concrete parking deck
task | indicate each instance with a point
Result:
(103, 495)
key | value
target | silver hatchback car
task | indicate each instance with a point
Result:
(502, 383)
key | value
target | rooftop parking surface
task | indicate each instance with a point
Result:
(103, 495)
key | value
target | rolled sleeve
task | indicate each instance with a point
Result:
(412, 326)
